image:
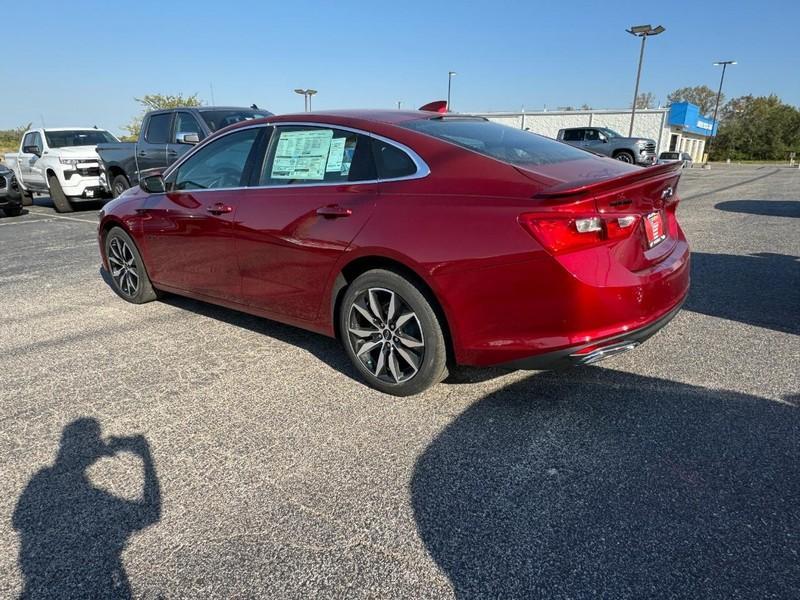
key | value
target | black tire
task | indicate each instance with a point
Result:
(389, 356)
(13, 211)
(119, 184)
(112, 244)
(27, 197)
(60, 201)
(625, 156)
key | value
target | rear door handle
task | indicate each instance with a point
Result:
(334, 211)
(219, 208)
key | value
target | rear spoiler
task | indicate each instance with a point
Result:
(594, 186)
(437, 106)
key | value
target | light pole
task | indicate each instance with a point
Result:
(449, 86)
(642, 31)
(306, 97)
(724, 64)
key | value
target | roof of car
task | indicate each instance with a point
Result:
(375, 115)
(70, 129)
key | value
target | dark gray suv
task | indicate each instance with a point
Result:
(640, 151)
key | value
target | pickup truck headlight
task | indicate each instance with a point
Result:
(75, 161)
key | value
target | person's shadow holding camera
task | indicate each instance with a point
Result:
(73, 533)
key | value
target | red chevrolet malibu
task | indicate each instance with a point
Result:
(421, 240)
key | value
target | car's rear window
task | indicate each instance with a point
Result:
(498, 141)
(670, 155)
(217, 119)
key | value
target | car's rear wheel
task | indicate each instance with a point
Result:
(392, 333)
(27, 197)
(14, 210)
(626, 157)
(128, 275)
(119, 185)
(60, 200)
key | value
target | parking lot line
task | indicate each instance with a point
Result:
(50, 215)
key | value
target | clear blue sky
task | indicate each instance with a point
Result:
(81, 62)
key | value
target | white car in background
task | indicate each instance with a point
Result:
(61, 162)
(671, 157)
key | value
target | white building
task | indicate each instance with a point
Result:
(677, 128)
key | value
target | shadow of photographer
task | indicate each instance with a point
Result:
(73, 533)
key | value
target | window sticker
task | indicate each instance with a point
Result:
(302, 154)
(349, 151)
(336, 155)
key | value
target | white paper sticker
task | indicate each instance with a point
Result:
(336, 155)
(302, 154)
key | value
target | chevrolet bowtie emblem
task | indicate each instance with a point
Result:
(667, 193)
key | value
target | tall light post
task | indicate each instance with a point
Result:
(449, 86)
(642, 31)
(724, 64)
(306, 97)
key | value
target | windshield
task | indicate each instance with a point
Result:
(217, 119)
(610, 132)
(498, 141)
(78, 137)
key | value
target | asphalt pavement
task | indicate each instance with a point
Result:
(180, 450)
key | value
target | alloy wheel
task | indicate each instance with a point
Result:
(124, 270)
(386, 335)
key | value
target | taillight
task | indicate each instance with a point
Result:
(562, 233)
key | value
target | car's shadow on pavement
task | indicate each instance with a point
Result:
(761, 289)
(603, 483)
(767, 208)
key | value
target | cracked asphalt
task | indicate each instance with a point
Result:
(252, 463)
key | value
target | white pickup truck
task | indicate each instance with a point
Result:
(60, 161)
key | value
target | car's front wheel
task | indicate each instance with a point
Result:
(128, 275)
(60, 200)
(119, 185)
(392, 334)
(626, 157)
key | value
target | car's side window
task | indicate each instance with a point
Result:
(592, 135)
(310, 154)
(186, 123)
(221, 164)
(391, 161)
(37, 140)
(158, 128)
(573, 135)
(28, 141)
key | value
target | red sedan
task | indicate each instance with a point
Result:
(421, 240)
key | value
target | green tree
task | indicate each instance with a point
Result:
(701, 95)
(10, 138)
(157, 102)
(757, 128)
(645, 100)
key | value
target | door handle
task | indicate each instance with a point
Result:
(219, 208)
(333, 211)
(142, 153)
(171, 153)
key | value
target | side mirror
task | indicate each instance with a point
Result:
(187, 138)
(153, 184)
(32, 150)
(603, 138)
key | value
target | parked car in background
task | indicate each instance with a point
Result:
(634, 150)
(61, 162)
(10, 198)
(420, 239)
(671, 157)
(165, 136)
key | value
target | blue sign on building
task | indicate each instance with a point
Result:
(687, 116)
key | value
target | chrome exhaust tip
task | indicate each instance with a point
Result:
(603, 353)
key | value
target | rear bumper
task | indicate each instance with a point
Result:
(584, 354)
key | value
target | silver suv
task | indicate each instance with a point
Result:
(640, 151)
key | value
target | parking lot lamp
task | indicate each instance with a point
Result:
(306, 97)
(724, 64)
(449, 86)
(642, 31)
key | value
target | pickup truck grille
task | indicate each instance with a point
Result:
(90, 172)
(650, 148)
